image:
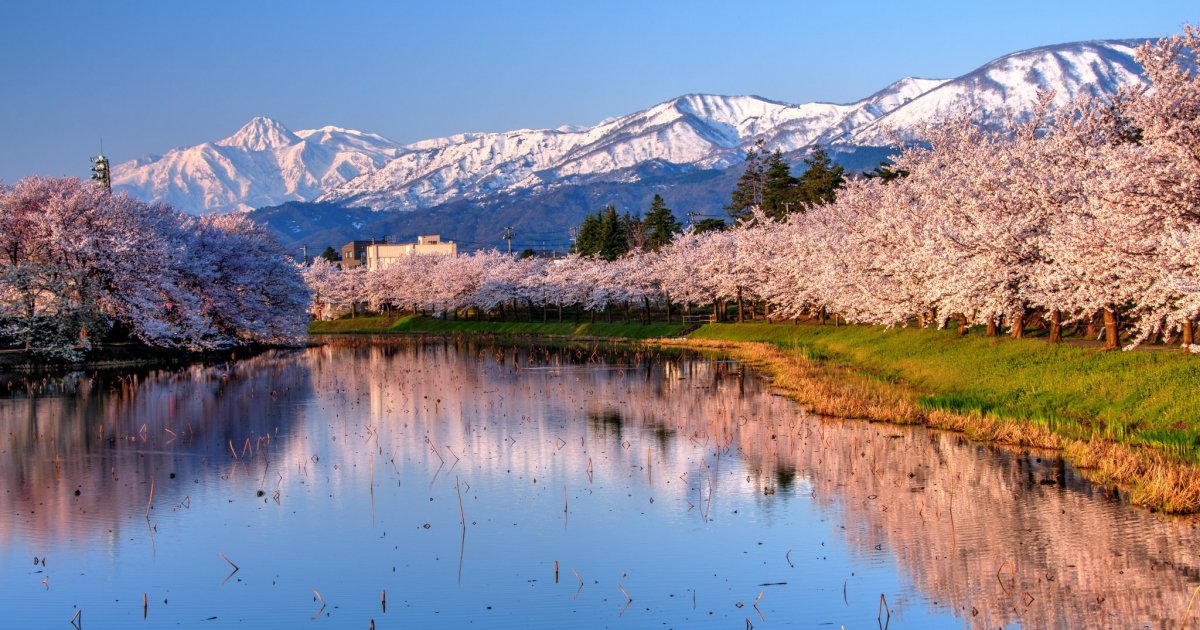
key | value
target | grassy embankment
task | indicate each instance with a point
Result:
(1132, 418)
(427, 325)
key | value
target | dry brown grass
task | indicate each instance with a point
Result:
(1153, 479)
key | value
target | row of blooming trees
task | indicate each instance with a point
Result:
(78, 264)
(1086, 212)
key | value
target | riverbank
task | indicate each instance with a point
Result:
(122, 355)
(426, 325)
(1131, 418)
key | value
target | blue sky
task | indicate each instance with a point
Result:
(152, 75)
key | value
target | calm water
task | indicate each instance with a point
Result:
(679, 480)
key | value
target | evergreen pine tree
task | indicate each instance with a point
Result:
(589, 240)
(886, 172)
(331, 254)
(749, 190)
(661, 224)
(613, 236)
(780, 188)
(711, 225)
(819, 184)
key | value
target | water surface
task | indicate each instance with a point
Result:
(452, 478)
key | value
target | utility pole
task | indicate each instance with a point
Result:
(508, 236)
(692, 214)
(574, 235)
(304, 254)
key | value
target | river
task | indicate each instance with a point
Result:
(447, 482)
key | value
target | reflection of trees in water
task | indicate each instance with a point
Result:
(998, 537)
(107, 433)
(1017, 539)
(606, 423)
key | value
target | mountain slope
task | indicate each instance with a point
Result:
(1009, 86)
(698, 131)
(542, 216)
(263, 163)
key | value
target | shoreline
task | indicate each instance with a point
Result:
(126, 356)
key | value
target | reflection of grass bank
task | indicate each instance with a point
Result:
(1133, 417)
(412, 324)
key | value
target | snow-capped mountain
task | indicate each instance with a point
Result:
(1009, 86)
(696, 130)
(706, 131)
(262, 164)
(265, 164)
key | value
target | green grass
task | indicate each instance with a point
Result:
(414, 324)
(1147, 398)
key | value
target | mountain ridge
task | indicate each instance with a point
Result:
(265, 164)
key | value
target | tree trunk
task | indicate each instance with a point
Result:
(668, 309)
(963, 329)
(767, 311)
(821, 315)
(1110, 329)
(741, 307)
(559, 312)
(991, 326)
(1188, 333)
(1018, 325)
(1055, 326)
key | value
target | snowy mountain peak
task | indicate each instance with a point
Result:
(262, 164)
(1009, 85)
(260, 134)
(266, 164)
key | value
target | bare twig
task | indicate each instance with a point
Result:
(149, 502)
(235, 568)
(1188, 613)
(461, 512)
(320, 599)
